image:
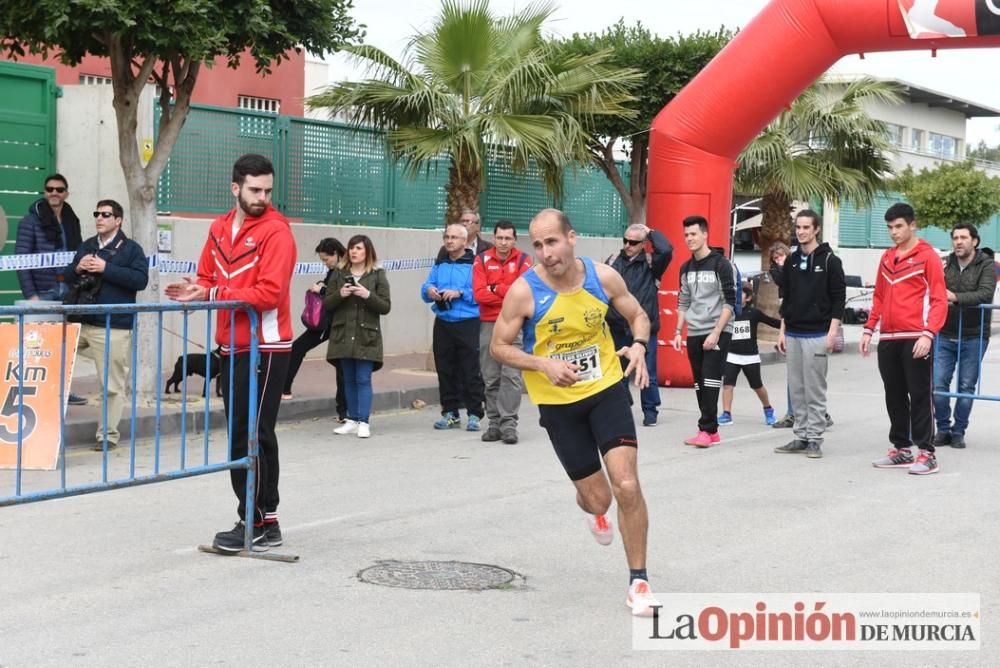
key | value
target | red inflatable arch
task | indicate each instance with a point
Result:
(696, 139)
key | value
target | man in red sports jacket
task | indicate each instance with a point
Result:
(250, 256)
(909, 306)
(493, 272)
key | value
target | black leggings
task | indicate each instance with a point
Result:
(751, 371)
(908, 394)
(706, 367)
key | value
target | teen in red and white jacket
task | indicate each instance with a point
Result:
(254, 267)
(910, 299)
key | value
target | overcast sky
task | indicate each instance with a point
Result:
(969, 74)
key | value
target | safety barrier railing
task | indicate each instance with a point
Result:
(980, 351)
(23, 381)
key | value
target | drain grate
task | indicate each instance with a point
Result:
(442, 575)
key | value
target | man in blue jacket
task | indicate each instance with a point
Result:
(108, 268)
(456, 332)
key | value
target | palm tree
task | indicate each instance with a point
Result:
(477, 86)
(824, 146)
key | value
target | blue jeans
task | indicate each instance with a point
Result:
(358, 387)
(649, 396)
(968, 354)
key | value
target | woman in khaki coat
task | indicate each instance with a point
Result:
(358, 295)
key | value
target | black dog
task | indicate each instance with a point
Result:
(208, 366)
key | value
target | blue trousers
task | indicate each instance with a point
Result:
(358, 387)
(649, 397)
(966, 353)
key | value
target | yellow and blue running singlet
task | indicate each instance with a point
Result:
(570, 326)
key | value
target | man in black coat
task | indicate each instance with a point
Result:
(642, 272)
(108, 268)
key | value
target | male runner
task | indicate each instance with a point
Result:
(573, 373)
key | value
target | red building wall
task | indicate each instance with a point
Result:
(218, 85)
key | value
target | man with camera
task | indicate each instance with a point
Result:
(108, 268)
(456, 332)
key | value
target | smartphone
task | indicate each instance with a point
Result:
(351, 280)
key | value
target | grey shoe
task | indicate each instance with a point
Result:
(510, 438)
(957, 441)
(786, 422)
(792, 447)
(491, 434)
(813, 451)
(894, 459)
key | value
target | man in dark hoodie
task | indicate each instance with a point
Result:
(811, 312)
(707, 302)
(642, 272)
(971, 279)
(50, 226)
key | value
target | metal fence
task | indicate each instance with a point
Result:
(27, 399)
(330, 173)
(973, 349)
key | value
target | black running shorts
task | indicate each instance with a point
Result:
(584, 431)
(751, 371)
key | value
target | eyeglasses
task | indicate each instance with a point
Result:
(632, 242)
(55, 189)
(104, 214)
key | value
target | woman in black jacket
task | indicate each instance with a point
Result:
(331, 252)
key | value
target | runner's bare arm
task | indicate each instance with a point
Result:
(518, 306)
(626, 304)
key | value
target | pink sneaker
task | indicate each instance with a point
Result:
(601, 528)
(640, 599)
(702, 439)
(716, 438)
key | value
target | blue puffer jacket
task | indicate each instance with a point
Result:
(448, 274)
(39, 232)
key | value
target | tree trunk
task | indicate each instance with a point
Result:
(775, 226)
(465, 184)
(634, 202)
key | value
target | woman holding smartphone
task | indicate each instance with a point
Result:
(358, 296)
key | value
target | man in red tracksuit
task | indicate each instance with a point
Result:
(250, 256)
(493, 272)
(909, 306)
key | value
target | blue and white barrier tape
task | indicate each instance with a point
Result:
(168, 265)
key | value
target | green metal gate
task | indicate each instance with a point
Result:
(27, 148)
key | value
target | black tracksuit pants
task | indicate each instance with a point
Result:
(270, 381)
(706, 367)
(308, 340)
(456, 356)
(909, 397)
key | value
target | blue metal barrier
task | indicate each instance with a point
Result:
(62, 313)
(978, 394)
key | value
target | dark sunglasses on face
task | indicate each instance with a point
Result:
(632, 242)
(55, 189)
(103, 214)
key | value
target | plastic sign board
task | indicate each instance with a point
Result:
(934, 19)
(37, 397)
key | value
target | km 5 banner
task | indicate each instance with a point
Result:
(38, 394)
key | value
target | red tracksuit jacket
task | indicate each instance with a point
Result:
(910, 299)
(256, 267)
(491, 279)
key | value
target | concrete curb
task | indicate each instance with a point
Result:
(80, 433)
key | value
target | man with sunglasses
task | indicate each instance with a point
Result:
(108, 268)
(50, 226)
(642, 272)
(811, 312)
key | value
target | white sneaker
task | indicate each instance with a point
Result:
(640, 599)
(348, 427)
(601, 528)
(363, 430)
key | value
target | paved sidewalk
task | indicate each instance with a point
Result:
(114, 579)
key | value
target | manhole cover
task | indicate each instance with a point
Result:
(437, 575)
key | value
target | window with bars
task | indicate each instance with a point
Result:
(942, 145)
(895, 133)
(95, 80)
(267, 105)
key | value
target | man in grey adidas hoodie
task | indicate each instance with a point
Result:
(707, 301)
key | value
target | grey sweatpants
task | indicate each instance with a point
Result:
(503, 384)
(807, 362)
